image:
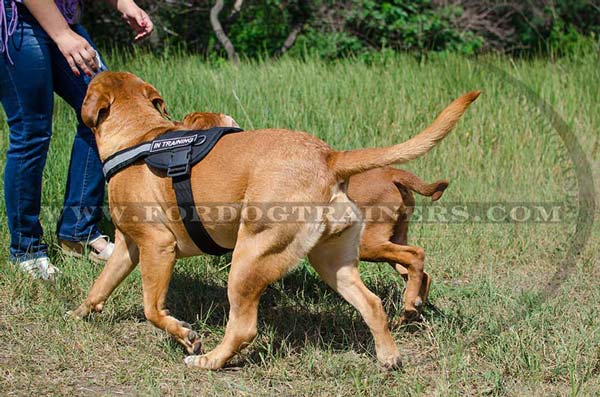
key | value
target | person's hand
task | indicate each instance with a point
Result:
(78, 53)
(136, 18)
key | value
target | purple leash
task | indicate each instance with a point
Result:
(7, 28)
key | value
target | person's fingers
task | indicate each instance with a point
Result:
(146, 27)
(82, 64)
(140, 18)
(90, 58)
(149, 24)
(140, 23)
(72, 65)
(141, 35)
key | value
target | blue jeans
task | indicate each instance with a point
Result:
(26, 91)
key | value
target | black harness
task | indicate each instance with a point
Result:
(175, 152)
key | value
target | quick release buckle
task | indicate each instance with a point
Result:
(179, 164)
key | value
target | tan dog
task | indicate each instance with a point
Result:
(385, 197)
(263, 166)
(386, 193)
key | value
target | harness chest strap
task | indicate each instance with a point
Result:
(191, 219)
(175, 152)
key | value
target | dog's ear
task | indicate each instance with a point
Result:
(157, 101)
(94, 106)
(229, 121)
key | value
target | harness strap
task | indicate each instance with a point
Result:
(176, 152)
(191, 219)
(124, 158)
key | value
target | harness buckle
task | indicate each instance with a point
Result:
(179, 164)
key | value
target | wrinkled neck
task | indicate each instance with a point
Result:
(129, 127)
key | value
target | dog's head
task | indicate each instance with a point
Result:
(109, 90)
(116, 101)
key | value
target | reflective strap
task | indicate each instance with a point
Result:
(124, 159)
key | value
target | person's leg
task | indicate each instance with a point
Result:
(84, 195)
(27, 97)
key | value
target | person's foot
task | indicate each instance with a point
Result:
(39, 268)
(102, 248)
(98, 249)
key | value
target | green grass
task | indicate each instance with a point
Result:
(493, 332)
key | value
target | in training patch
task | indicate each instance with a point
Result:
(159, 145)
(177, 151)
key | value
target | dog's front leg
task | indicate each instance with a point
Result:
(157, 259)
(243, 291)
(122, 261)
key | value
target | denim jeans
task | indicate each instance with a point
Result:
(26, 91)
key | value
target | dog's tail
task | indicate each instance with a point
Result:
(347, 163)
(416, 184)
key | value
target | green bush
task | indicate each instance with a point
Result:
(334, 29)
(414, 26)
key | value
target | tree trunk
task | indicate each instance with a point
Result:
(290, 40)
(301, 13)
(237, 7)
(220, 33)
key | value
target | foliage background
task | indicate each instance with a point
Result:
(333, 29)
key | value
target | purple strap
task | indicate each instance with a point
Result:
(7, 28)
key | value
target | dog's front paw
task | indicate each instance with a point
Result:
(392, 362)
(84, 310)
(202, 362)
(192, 342)
(195, 344)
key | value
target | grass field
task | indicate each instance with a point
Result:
(496, 329)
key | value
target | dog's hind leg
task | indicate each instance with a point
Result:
(410, 267)
(425, 283)
(122, 261)
(412, 259)
(258, 260)
(408, 261)
(336, 261)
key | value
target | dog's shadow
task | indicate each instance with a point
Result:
(297, 309)
(294, 310)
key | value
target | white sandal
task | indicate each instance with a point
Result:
(78, 249)
(39, 268)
